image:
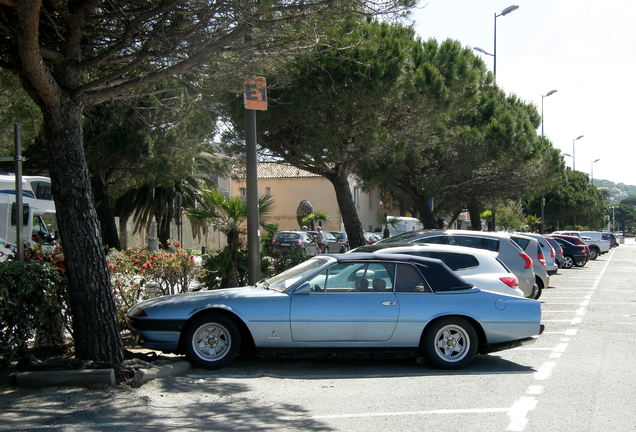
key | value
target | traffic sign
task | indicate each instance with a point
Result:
(255, 94)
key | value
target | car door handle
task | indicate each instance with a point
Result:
(388, 303)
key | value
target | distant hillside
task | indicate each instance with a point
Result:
(617, 191)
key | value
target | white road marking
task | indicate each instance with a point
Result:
(560, 347)
(519, 413)
(558, 311)
(571, 332)
(555, 355)
(564, 339)
(577, 320)
(581, 311)
(399, 413)
(544, 371)
(535, 390)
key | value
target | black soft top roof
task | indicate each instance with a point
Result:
(439, 276)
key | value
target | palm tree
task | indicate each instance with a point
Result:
(228, 214)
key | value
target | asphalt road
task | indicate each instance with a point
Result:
(579, 376)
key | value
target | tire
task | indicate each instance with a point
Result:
(593, 253)
(568, 262)
(539, 289)
(450, 343)
(580, 264)
(212, 341)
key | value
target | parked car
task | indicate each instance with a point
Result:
(558, 250)
(479, 267)
(286, 241)
(549, 253)
(332, 302)
(611, 238)
(593, 239)
(532, 248)
(510, 253)
(331, 243)
(371, 237)
(574, 255)
(576, 241)
(342, 238)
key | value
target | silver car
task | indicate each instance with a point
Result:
(508, 251)
(479, 267)
(549, 253)
(333, 302)
(532, 248)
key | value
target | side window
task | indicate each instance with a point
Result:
(456, 261)
(409, 279)
(475, 242)
(521, 242)
(354, 277)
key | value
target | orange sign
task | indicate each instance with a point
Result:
(255, 94)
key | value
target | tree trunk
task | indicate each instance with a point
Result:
(95, 328)
(426, 215)
(163, 231)
(352, 224)
(454, 217)
(105, 214)
(475, 209)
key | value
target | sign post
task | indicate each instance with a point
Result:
(254, 98)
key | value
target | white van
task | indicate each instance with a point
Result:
(403, 224)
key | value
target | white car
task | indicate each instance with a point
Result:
(479, 267)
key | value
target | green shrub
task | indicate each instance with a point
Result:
(28, 303)
(139, 274)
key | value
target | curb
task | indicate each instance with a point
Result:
(105, 377)
(142, 376)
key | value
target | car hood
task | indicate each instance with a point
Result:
(221, 295)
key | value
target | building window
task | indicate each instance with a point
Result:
(268, 190)
(243, 192)
(356, 196)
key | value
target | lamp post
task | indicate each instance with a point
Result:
(504, 12)
(543, 96)
(592, 170)
(573, 154)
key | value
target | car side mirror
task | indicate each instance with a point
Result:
(303, 289)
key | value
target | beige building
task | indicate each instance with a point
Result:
(289, 185)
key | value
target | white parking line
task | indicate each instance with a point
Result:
(544, 371)
(399, 413)
(519, 413)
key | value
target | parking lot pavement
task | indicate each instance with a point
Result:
(576, 377)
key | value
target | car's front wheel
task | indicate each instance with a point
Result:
(593, 254)
(568, 262)
(212, 340)
(450, 343)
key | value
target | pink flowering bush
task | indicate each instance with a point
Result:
(138, 274)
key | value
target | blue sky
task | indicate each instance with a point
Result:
(584, 49)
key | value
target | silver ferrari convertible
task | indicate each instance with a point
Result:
(333, 302)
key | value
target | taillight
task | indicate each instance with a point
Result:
(297, 242)
(552, 251)
(561, 251)
(512, 282)
(541, 259)
(527, 260)
(274, 241)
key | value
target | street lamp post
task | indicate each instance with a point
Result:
(592, 170)
(573, 154)
(543, 96)
(504, 12)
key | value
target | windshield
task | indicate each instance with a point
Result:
(402, 238)
(284, 280)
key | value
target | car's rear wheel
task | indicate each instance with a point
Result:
(580, 264)
(450, 343)
(212, 340)
(568, 262)
(538, 288)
